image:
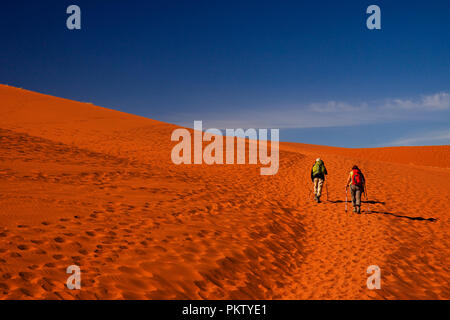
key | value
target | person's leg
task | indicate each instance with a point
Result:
(316, 186)
(319, 188)
(358, 199)
(353, 194)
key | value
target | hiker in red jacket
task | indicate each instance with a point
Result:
(357, 184)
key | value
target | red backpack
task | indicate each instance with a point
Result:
(357, 178)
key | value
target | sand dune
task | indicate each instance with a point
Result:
(85, 185)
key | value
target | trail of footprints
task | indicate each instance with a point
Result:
(87, 238)
(110, 239)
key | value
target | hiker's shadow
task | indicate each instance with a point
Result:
(401, 216)
(385, 212)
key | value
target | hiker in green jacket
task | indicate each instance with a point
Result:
(318, 172)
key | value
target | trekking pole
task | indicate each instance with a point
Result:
(346, 189)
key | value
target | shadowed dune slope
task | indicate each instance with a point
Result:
(85, 185)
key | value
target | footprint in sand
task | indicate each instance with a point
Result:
(59, 240)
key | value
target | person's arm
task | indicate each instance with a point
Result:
(349, 180)
(312, 178)
(326, 172)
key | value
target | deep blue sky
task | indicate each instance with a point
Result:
(311, 68)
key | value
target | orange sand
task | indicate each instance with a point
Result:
(85, 185)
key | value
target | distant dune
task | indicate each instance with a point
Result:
(94, 187)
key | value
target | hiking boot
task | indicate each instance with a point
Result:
(358, 210)
(354, 209)
(318, 199)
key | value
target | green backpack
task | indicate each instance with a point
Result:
(318, 168)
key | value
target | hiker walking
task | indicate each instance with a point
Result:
(357, 184)
(318, 173)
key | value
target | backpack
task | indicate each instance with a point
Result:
(357, 178)
(318, 168)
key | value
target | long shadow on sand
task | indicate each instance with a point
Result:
(386, 213)
(400, 216)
